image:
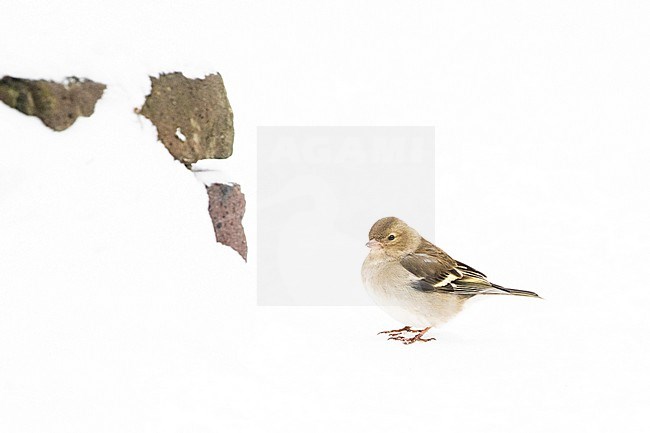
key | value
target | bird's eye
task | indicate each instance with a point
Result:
(391, 237)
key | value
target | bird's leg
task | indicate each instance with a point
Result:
(419, 337)
(398, 331)
(416, 337)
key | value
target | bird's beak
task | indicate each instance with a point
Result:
(373, 244)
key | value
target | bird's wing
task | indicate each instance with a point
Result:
(437, 272)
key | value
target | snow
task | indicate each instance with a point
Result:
(120, 313)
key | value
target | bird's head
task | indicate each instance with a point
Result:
(393, 236)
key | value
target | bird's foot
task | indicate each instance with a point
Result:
(398, 331)
(419, 336)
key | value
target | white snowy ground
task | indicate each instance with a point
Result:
(119, 312)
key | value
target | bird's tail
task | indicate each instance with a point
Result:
(517, 292)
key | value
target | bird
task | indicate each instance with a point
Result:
(417, 283)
